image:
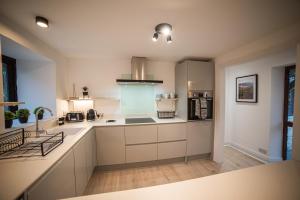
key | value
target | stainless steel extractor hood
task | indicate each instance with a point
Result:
(138, 73)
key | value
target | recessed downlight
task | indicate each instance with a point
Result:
(155, 37)
(169, 39)
(41, 22)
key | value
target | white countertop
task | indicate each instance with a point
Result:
(266, 182)
(17, 175)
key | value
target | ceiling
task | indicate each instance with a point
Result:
(118, 28)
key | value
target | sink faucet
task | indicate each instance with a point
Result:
(37, 119)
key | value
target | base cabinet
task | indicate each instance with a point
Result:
(168, 150)
(58, 183)
(141, 153)
(199, 137)
(110, 145)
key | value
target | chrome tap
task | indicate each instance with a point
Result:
(37, 119)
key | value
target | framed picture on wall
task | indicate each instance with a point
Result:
(247, 88)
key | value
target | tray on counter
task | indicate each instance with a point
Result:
(19, 143)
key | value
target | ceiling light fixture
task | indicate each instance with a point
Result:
(163, 29)
(41, 22)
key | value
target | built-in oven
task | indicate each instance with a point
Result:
(200, 108)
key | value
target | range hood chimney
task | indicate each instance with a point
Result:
(138, 73)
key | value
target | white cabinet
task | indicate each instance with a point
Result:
(171, 132)
(81, 175)
(110, 145)
(199, 137)
(90, 152)
(200, 75)
(58, 183)
(141, 134)
(140, 153)
(168, 150)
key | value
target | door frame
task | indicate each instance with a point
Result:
(286, 123)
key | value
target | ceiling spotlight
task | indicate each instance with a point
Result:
(155, 37)
(163, 29)
(169, 39)
(41, 22)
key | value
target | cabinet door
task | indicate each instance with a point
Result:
(171, 132)
(200, 75)
(141, 134)
(199, 137)
(110, 145)
(90, 152)
(81, 175)
(58, 183)
(140, 153)
(168, 150)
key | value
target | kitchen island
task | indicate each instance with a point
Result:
(272, 181)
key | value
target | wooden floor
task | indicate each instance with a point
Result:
(124, 179)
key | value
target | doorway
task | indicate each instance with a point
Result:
(288, 113)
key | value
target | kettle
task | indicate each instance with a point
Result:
(91, 115)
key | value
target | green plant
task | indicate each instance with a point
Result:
(41, 111)
(23, 113)
(9, 115)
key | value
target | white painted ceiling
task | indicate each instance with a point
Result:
(123, 28)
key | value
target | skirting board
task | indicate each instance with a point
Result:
(248, 152)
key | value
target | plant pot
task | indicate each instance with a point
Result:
(40, 116)
(23, 120)
(8, 123)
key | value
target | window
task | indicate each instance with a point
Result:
(9, 74)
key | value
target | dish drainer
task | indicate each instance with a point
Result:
(20, 143)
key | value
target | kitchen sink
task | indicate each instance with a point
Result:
(139, 120)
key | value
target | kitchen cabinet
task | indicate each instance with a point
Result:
(141, 153)
(110, 145)
(57, 183)
(168, 150)
(91, 159)
(81, 176)
(171, 132)
(141, 134)
(200, 75)
(199, 137)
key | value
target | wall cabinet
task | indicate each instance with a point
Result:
(58, 183)
(200, 75)
(199, 137)
(110, 145)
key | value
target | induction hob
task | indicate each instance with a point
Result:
(139, 120)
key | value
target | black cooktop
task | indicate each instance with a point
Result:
(138, 120)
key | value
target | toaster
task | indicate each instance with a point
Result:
(75, 117)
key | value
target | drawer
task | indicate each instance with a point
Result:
(171, 149)
(171, 132)
(141, 134)
(140, 153)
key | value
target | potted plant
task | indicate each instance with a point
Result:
(23, 115)
(9, 117)
(41, 113)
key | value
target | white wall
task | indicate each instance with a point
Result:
(36, 85)
(100, 75)
(249, 126)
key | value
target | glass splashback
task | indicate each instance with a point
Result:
(137, 99)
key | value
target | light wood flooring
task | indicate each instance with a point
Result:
(130, 178)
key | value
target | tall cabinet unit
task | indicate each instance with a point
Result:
(195, 76)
